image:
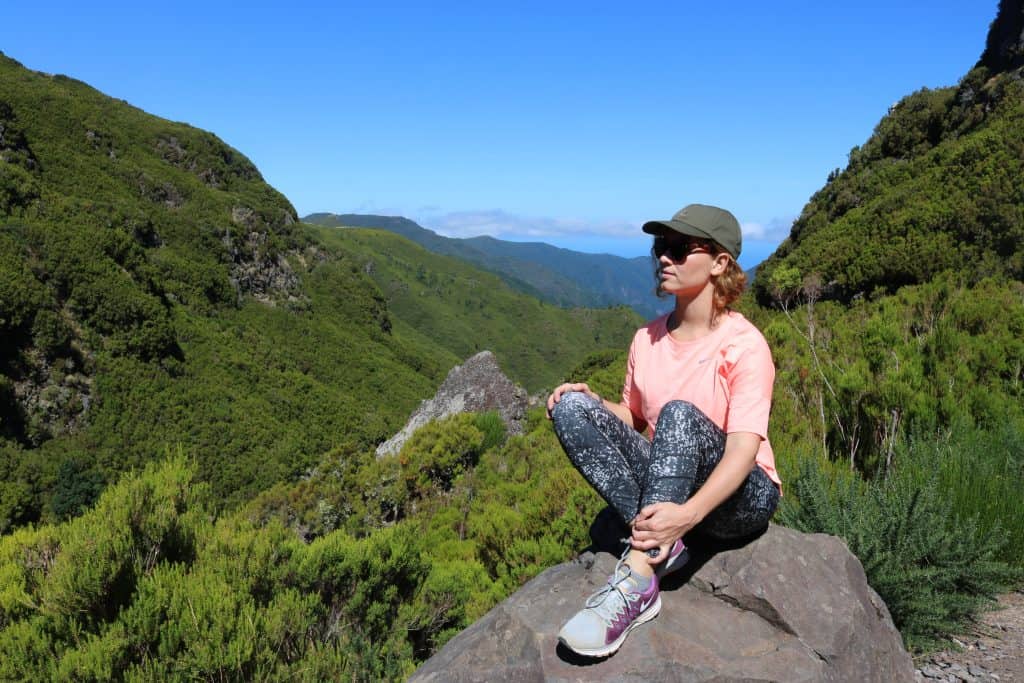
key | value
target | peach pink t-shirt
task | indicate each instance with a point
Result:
(728, 374)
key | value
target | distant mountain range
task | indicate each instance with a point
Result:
(559, 276)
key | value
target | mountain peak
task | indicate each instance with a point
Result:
(1004, 49)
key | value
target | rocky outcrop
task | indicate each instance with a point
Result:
(785, 607)
(476, 386)
(46, 397)
(258, 269)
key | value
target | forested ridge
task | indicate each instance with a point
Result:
(156, 293)
(258, 536)
(559, 276)
(935, 189)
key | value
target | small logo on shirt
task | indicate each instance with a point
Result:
(703, 360)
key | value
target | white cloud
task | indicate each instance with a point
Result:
(775, 230)
(505, 225)
(519, 227)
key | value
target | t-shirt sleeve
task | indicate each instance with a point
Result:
(750, 378)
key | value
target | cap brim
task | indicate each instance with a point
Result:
(654, 227)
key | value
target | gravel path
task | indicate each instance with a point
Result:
(994, 652)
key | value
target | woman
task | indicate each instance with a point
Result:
(699, 380)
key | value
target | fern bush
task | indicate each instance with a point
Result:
(934, 569)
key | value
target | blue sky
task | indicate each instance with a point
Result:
(569, 123)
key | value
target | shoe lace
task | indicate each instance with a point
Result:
(609, 602)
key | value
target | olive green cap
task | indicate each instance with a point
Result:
(708, 222)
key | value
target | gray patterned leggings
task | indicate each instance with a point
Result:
(631, 472)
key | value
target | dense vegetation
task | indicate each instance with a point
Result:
(398, 555)
(155, 292)
(444, 301)
(558, 276)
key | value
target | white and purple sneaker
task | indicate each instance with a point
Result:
(600, 628)
(678, 556)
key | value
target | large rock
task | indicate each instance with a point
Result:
(785, 607)
(476, 386)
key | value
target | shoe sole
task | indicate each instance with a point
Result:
(613, 647)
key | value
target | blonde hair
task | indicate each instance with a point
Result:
(730, 284)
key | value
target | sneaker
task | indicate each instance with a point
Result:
(678, 555)
(600, 628)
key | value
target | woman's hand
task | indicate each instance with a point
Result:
(556, 395)
(659, 525)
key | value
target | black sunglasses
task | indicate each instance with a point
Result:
(677, 251)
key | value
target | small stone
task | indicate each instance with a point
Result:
(931, 671)
(975, 670)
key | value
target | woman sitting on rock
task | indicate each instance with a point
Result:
(699, 379)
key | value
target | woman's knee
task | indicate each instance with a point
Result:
(680, 412)
(571, 406)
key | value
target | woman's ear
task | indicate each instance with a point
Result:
(721, 262)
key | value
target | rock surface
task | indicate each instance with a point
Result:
(478, 385)
(785, 607)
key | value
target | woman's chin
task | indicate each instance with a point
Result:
(669, 288)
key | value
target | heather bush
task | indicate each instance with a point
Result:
(933, 568)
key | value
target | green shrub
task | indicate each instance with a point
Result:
(50, 332)
(981, 472)
(934, 569)
(20, 293)
(76, 489)
(492, 427)
(439, 452)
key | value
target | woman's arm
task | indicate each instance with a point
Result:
(732, 470)
(661, 524)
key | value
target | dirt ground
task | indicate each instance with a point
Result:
(994, 652)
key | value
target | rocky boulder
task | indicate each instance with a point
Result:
(476, 386)
(787, 606)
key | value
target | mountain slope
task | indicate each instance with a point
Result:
(156, 294)
(442, 300)
(895, 308)
(936, 188)
(559, 276)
